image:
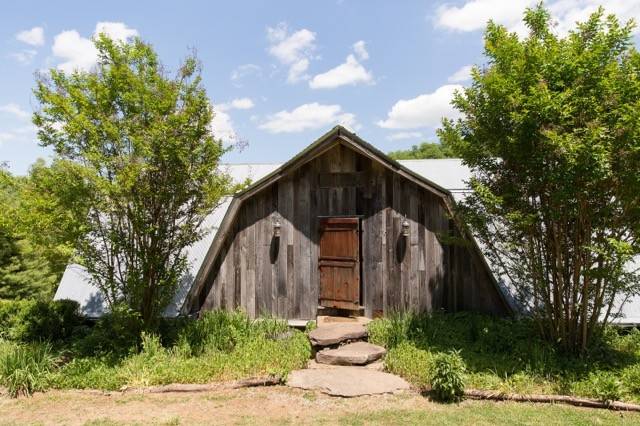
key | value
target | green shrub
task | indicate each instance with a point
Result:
(10, 310)
(631, 378)
(117, 333)
(39, 320)
(24, 368)
(447, 382)
(606, 387)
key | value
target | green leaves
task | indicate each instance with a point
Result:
(550, 130)
(424, 150)
(447, 381)
(141, 140)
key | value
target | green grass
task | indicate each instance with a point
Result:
(507, 355)
(221, 346)
(24, 368)
(488, 413)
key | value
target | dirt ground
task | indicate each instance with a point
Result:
(280, 405)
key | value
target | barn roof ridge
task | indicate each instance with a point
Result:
(338, 134)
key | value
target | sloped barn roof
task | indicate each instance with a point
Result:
(446, 175)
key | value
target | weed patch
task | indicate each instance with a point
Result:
(507, 355)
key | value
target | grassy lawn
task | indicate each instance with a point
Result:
(283, 406)
(508, 356)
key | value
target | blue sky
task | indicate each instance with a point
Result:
(280, 73)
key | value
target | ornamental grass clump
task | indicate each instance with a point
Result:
(24, 368)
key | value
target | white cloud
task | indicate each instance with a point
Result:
(294, 50)
(473, 15)
(243, 71)
(76, 52)
(15, 110)
(307, 117)
(239, 103)
(422, 111)
(404, 135)
(351, 72)
(242, 103)
(297, 71)
(116, 30)
(79, 53)
(361, 51)
(222, 126)
(462, 74)
(25, 56)
(33, 37)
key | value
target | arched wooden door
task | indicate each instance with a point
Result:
(339, 263)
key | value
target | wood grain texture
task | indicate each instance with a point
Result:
(265, 275)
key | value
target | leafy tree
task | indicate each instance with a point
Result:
(52, 209)
(551, 129)
(24, 271)
(424, 150)
(143, 144)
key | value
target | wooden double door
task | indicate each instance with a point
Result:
(339, 262)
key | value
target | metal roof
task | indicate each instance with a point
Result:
(449, 174)
(76, 283)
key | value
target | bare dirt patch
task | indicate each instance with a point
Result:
(279, 405)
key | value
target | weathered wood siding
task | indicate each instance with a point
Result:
(279, 276)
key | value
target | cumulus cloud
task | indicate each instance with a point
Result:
(473, 15)
(293, 50)
(462, 74)
(242, 103)
(15, 110)
(79, 53)
(351, 72)
(116, 30)
(33, 37)
(361, 50)
(307, 117)
(238, 103)
(404, 135)
(222, 126)
(422, 111)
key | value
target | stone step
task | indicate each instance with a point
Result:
(357, 353)
(335, 333)
(347, 381)
(377, 365)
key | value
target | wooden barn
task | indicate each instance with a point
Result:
(341, 225)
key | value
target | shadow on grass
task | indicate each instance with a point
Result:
(505, 347)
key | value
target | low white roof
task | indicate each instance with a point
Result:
(449, 173)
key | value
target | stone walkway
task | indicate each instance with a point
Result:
(345, 364)
(347, 381)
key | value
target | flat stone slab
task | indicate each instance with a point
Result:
(331, 334)
(347, 381)
(357, 353)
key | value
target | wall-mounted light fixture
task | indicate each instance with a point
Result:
(405, 228)
(276, 227)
